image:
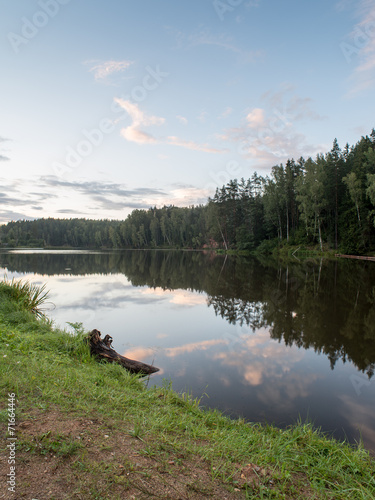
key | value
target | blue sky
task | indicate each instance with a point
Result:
(116, 105)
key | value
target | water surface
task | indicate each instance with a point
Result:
(264, 340)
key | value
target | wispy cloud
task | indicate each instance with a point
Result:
(3, 157)
(134, 132)
(202, 116)
(182, 119)
(108, 196)
(11, 215)
(21, 193)
(104, 69)
(359, 49)
(343, 5)
(219, 41)
(256, 118)
(253, 3)
(67, 211)
(176, 141)
(116, 197)
(228, 111)
(28, 198)
(15, 195)
(269, 135)
(185, 196)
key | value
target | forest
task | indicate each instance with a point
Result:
(327, 203)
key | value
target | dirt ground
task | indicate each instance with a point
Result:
(100, 461)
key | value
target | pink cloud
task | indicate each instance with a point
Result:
(133, 132)
(107, 68)
(133, 135)
(256, 118)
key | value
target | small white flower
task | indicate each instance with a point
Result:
(4, 356)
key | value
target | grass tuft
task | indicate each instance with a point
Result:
(31, 296)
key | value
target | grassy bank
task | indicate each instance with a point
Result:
(282, 250)
(90, 430)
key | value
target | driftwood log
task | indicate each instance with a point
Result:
(102, 349)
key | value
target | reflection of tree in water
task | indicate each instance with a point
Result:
(69, 263)
(238, 311)
(327, 306)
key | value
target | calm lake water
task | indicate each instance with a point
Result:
(265, 340)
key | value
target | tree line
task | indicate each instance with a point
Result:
(328, 201)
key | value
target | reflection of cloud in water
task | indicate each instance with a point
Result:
(259, 362)
(172, 352)
(144, 354)
(355, 411)
(178, 297)
(225, 381)
(252, 349)
(107, 295)
(161, 335)
(204, 345)
(109, 302)
(54, 252)
(253, 374)
(269, 366)
(117, 294)
(181, 372)
(282, 392)
(139, 353)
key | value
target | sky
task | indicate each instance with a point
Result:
(107, 107)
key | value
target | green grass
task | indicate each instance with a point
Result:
(30, 296)
(49, 368)
(46, 444)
